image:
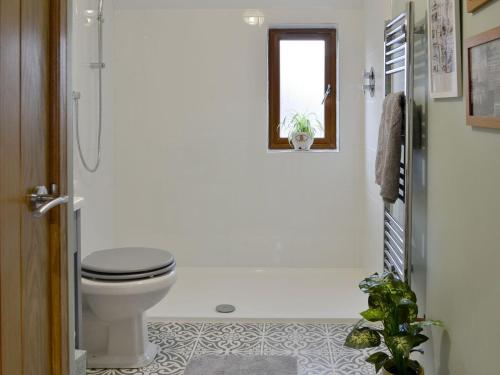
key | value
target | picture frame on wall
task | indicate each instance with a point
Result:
(473, 5)
(483, 79)
(445, 67)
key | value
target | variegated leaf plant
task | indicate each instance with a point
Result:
(391, 316)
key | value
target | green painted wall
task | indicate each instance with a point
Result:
(464, 230)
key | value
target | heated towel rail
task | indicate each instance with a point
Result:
(398, 75)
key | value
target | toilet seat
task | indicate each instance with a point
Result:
(127, 264)
(127, 276)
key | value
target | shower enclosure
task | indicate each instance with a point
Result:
(180, 110)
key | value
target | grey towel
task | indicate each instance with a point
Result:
(389, 147)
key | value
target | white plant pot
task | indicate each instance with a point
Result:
(301, 141)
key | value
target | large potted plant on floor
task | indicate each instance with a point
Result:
(392, 315)
(301, 130)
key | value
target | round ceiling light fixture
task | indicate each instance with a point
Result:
(253, 17)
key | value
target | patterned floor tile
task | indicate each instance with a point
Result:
(168, 363)
(114, 372)
(295, 338)
(230, 338)
(352, 362)
(318, 347)
(165, 363)
(336, 334)
(174, 336)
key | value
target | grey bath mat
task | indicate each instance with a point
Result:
(242, 365)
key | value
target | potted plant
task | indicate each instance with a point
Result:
(300, 130)
(392, 315)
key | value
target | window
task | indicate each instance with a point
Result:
(302, 78)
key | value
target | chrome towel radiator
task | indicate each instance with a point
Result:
(398, 76)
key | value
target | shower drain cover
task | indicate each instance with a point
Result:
(225, 309)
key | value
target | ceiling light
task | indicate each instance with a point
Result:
(253, 17)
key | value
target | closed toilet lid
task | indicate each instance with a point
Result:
(127, 260)
(100, 276)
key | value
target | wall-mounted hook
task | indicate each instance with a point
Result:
(369, 82)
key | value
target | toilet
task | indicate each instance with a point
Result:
(118, 286)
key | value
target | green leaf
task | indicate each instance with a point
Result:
(362, 338)
(428, 323)
(407, 311)
(376, 301)
(419, 339)
(406, 302)
(409, 294)
(414, 365)
(400, 344)
(378, 359)
(373, 315)
(374, 281)
(299, 122)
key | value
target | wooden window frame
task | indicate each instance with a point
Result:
(330, 123)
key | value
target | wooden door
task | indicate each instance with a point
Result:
(33, 258)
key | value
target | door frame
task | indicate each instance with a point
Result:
(59, 164)
(14, 200)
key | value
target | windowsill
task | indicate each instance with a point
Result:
(317, 151)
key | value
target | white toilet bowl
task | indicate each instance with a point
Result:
(114, 331)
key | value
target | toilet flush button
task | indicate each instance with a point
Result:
(225, 309)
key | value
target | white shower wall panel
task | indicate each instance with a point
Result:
(192, 169)
(96, 188)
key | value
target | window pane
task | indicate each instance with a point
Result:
(302, 80)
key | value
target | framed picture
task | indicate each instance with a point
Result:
(473, 5)
(445, 69)
(483, 93)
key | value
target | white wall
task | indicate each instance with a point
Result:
(236, 4)
(375, 13)
(193, 174)
(96, 188)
